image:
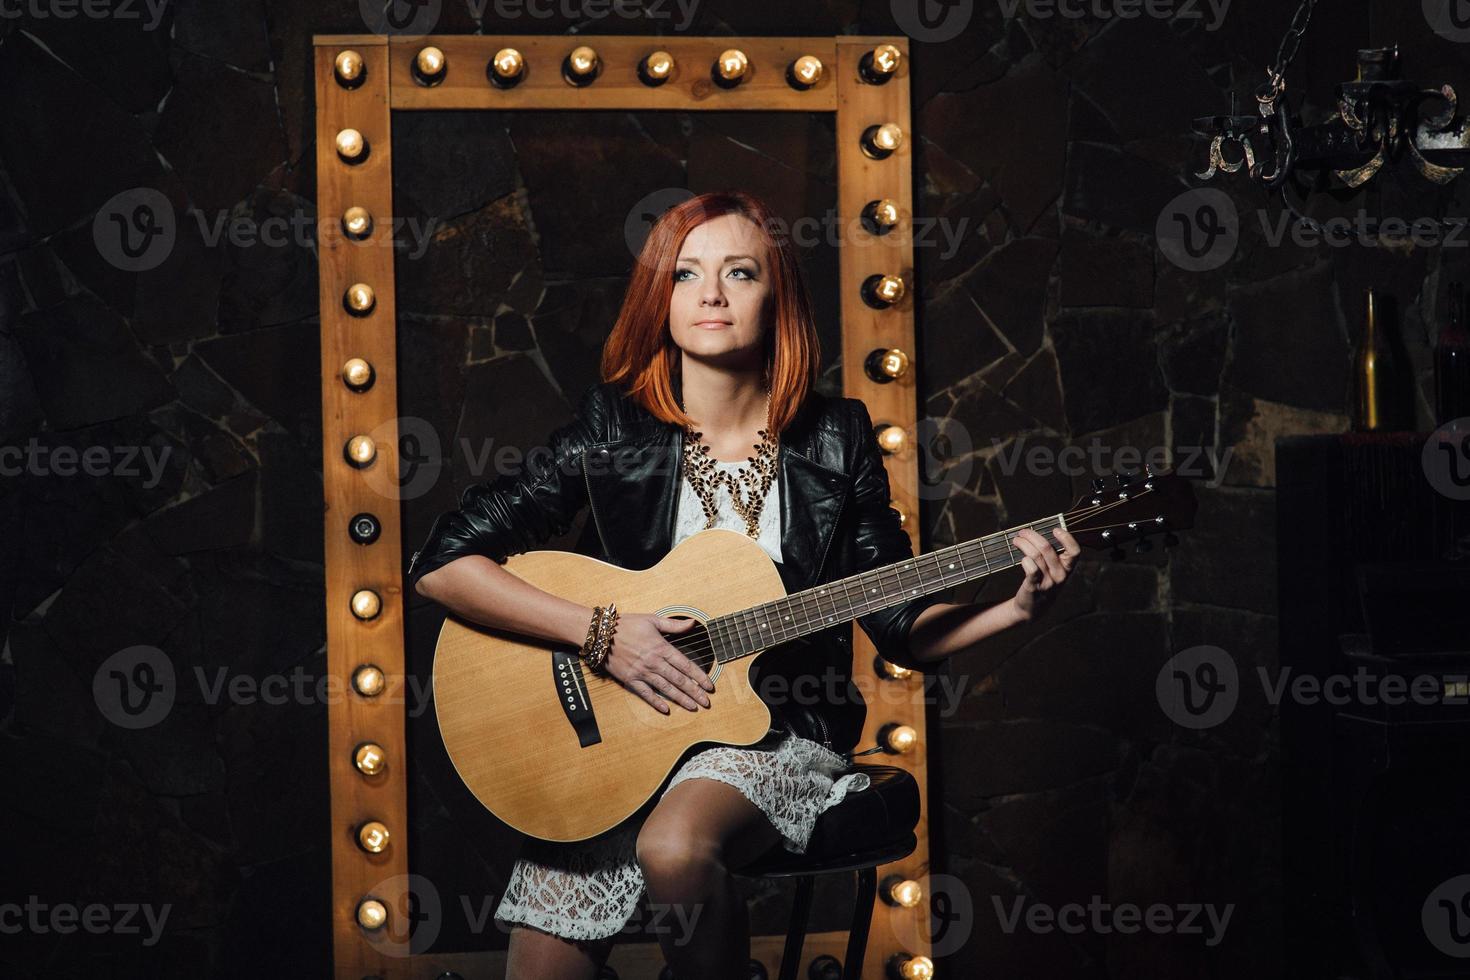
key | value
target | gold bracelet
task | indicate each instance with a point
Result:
(595, 648)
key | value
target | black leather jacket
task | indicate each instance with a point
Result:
(624, 463)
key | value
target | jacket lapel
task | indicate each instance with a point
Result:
(633, 493)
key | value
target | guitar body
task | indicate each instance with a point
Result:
(501, 697)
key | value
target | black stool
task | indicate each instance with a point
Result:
(869, 827)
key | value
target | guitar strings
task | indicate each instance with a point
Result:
(698, 646)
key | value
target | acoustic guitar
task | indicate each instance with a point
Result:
(562, 753)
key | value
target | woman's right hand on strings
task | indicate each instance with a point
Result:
(649, 665)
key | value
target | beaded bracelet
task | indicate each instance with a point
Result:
(598, 644)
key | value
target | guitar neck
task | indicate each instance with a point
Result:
(748, 631)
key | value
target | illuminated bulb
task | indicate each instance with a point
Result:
(880, 216)
(581, 65)
(361, 450)
(880, 141)
(350, 145)
(885, 364)
(891, 438)
(916, 968)
(507, 67)
(730, 67)
(359, 298)
(805, 71)
(901, 891)
(882, 290)
(357, 374)
(366, 604)
(657, 68)
(368, 680)
(901, 738)
(349, 69)
(370, 759)
(430, 63)
(372, 837)
(891, 671)
(371, 913)
(879, 65)
(357, 223)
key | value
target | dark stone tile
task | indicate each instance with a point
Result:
(68, 348)
(571, 326)
(1010, 287)
(451, 163)
(1036, 390)
(20, 408)
(1192, 425)
(1229, 558)
(291, 511)
(201, 389)
(431, 364)
(56, 170)
(1026, 168)
(210, 107)
(1114, 187)
(955, 340)
(220, 455)
(987, 762)
(954, 240)
(470, 263)
(269, 265)
(277, 370)
(52, 698)
(223, 517)
(583, 174)
(513, 332)
(1097, 271)
(1085, 121)
(1192, 354)
(179, 300)
(1289, 345)
(228, 31)
(1109, 366)
(1106, 73)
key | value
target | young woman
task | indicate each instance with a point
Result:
(712, 362)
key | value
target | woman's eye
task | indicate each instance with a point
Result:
(678, 273)
(741, 268)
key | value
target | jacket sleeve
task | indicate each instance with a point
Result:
(516, 512)
(881, 541)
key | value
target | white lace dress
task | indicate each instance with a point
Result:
(590, 889)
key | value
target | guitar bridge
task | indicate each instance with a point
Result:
(572, 694)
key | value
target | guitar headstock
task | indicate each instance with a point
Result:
(1129, 507)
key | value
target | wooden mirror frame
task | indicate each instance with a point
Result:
(364, 585)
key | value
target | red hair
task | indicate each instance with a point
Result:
(640, 353)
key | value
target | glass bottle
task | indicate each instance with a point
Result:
(1375, 372)
(1452, 363)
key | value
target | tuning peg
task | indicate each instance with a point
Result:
(1125, 477)
(1097, 484)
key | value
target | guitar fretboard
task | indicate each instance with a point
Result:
(742, 633)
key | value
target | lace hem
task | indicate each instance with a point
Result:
(590, 889)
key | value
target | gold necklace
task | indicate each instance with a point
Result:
(748, 486)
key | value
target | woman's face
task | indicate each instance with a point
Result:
(722, 290)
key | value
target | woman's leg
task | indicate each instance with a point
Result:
(700, 830)
(536, 955)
